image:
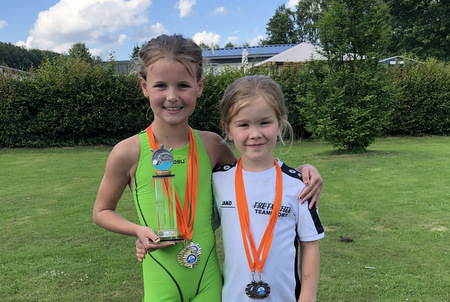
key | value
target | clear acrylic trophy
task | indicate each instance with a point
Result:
(162, 160)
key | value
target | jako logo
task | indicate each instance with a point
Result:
(179, 161)
(227, 203)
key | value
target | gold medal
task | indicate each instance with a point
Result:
(189, 256)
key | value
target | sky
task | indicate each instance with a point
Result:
(115, 27)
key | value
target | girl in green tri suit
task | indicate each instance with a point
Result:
(171, 78)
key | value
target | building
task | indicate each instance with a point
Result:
(396, 60)
(126, 66)
(300, 53)
(4, 70)
(217, 58)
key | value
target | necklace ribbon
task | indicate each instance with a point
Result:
(244, 220)
(185, 216)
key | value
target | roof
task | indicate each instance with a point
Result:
(299, 53)
(263, 50)
(396, 60)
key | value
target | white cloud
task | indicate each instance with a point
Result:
(185, 7)
(147, 33)
(21, 43)
(219, 11)
(88, 21)
(255, 41)
(292, 3)
(232, 39)
(207, 38)
(2, 23)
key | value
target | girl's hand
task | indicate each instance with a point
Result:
(148, 242)
(313, 185)
(140, 251)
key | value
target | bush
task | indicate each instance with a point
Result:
(69, 102)
(207, 114)
(423, 107)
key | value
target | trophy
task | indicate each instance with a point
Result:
(162, 160)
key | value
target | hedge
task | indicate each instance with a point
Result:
(70, 102)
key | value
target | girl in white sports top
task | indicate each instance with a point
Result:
(256, 199)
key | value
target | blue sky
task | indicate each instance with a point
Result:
(116, 26)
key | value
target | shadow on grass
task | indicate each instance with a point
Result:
(355, 154)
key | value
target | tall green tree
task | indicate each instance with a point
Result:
(281, 27)
(420, 27)
(348, 100)
(307, 15)
(79, 50)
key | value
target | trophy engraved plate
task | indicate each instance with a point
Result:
(162, 160)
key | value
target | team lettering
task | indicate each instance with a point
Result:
(265, 208)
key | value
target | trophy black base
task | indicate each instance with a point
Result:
(170, 239)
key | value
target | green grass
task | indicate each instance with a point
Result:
(393, 201)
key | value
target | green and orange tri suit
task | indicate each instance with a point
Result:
(164, 278)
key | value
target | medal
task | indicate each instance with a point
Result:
(189, 256)
(250, 290)
(257, 290)
(260, 289)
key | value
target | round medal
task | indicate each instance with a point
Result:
(261, 290)
(189, 256)
(249, 290)
(257, 290)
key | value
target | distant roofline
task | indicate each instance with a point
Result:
(264, 50)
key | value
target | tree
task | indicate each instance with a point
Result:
(79, 50)
(307, 15)
(229, 45)
(348, 100)
(420, 27)
(21, 58)
(135, 53)
(203, 45)
(281, 27)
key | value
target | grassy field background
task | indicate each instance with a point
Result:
(392, 201)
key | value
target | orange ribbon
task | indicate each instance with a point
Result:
(244, 219)
(185, 216)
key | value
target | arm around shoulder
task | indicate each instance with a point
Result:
(314, 184)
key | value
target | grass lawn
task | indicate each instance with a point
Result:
(393, 202)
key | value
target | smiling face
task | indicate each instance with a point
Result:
(254, 130)
(172, 90)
